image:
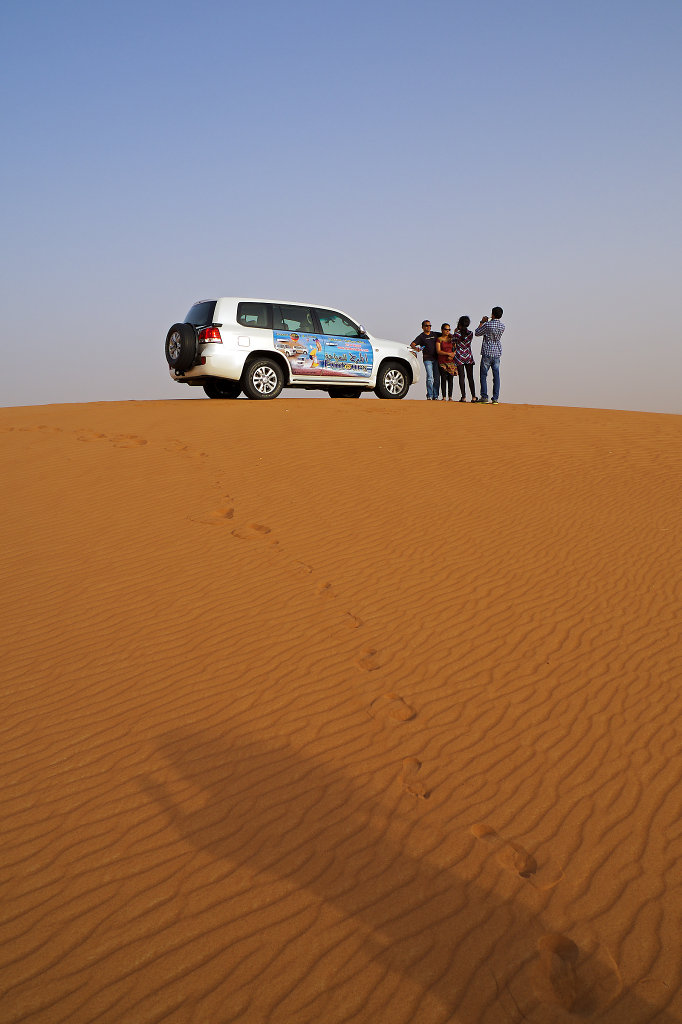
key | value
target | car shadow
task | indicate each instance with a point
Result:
(297, 820)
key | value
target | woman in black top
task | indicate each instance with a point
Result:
(464, 359)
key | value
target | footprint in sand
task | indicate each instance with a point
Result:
(325, 590)
(352, 620)
(411, 783)
(582, 981)
(370, 660)
(214, 518)
(252, 531)
(509, 855)
(90, 435)
(515, 858)
(556, 979)
(304, 567)
(392, 706)
(128, 441)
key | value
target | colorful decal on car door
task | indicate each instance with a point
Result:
(314, 355)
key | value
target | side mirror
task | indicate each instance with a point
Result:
(363, 332)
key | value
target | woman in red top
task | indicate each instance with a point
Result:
(446, 362)
(463, 357)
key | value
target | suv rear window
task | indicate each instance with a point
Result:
(253, 314)
(201, 314)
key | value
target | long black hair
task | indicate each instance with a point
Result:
(463, 326)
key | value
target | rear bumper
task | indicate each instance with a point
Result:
(216, 361)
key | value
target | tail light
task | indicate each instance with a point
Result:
(210, 334)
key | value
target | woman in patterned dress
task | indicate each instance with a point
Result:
(445, 350)
(462, 338)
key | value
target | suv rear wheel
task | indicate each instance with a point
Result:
(262, 379)
(393, 380)
(181, 346)
(218, 388)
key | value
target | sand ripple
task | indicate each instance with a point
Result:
(348, 730)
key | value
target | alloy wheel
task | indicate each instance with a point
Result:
(174, 344)
(394, 381)
(264, 380)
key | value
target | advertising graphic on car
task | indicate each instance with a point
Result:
(325, 356)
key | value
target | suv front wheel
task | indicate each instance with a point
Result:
(263, 378)
(392, 381)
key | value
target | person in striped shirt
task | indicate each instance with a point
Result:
(491, 352)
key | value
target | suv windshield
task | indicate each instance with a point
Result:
(201, 314)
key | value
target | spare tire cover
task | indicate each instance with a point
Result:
(181, 346)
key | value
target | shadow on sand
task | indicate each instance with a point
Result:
(309, 825)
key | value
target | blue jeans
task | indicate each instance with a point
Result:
(490, 363)
(432, 371)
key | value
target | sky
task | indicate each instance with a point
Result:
(399, 161)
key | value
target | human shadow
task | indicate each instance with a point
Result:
(266, 808)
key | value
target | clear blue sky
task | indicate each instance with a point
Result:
(397, 160)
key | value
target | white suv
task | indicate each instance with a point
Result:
(259, 346)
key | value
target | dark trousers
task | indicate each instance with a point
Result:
(469, 367)
(446, 381)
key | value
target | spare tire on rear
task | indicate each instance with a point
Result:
(182, 346)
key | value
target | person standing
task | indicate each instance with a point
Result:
(446, 362)
(464, 359)
(426, 341)
(491, 352)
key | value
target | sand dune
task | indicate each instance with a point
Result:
(340, 712)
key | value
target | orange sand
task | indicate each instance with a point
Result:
(340, 711)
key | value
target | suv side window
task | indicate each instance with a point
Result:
(337, 324)
(253, 314)
(293, 318)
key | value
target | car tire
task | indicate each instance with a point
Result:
(344, 392)
(393, 380)
(182, 346)
(219, 388)
(263, 379)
